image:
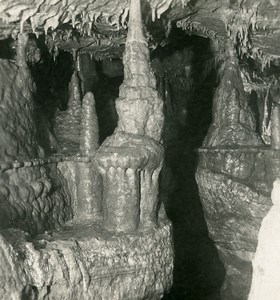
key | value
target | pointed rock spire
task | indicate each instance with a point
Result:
(139, 106)
(135, 29)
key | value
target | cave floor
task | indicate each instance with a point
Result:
(198, 271)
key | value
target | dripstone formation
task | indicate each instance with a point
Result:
(105, 123)
(114, 239)
(235, 176)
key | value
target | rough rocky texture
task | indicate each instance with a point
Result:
(275, 127)
(34, 196)
(83, 263)
(233, 210)
(84, 259)
(131, 159)
(234, 186)
(18, 137)
(68, 123)
(252, 25)
(266, 268)
(130, 166)
(233, 122)
(234, 176)
(89, 135)
(248, 165)
(139, 106)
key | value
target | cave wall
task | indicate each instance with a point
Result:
(34, 195)
(234, 191)
(234, 177)
(18, 137)
(34, 192)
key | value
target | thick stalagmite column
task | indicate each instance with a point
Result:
(21, 50)
(130, 165)
(88, 179)
(121, 205)
(131, 159)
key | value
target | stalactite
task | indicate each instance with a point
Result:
(21, 50)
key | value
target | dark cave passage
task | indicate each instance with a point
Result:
(198, 271)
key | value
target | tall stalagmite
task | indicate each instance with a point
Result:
(89, 135)
(131, 159)
(233, 120)
(139, 106)
(67, 123)
(88, 178)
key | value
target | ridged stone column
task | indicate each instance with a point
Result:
(89, 185)
(131, 159)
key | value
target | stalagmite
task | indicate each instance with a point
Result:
(89, 128)
(233, 120)
(266, 121)
(88, 179)
(131, 159)
(138, 91)
(67, 126)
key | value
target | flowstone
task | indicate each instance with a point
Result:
(234, 179)
(83, 262)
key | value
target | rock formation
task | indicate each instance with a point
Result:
(131, 159)
(65, 231)
(80, 220)
(233, 121)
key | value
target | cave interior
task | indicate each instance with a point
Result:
(139, 146)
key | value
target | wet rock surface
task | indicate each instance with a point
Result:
(233, 212)
(35, 196)
(234, 178)
(84, 262)
(17, 119)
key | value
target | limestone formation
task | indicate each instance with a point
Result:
(82, 263)
(89, 189)
(233, 122)
(68, 123)
(80, 220)
(59, 237)
(89, 136)
(131, 159)
(17, 125)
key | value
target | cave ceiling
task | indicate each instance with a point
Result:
(99, 27)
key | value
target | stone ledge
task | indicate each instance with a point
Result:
(43, 161)
(80, 264)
